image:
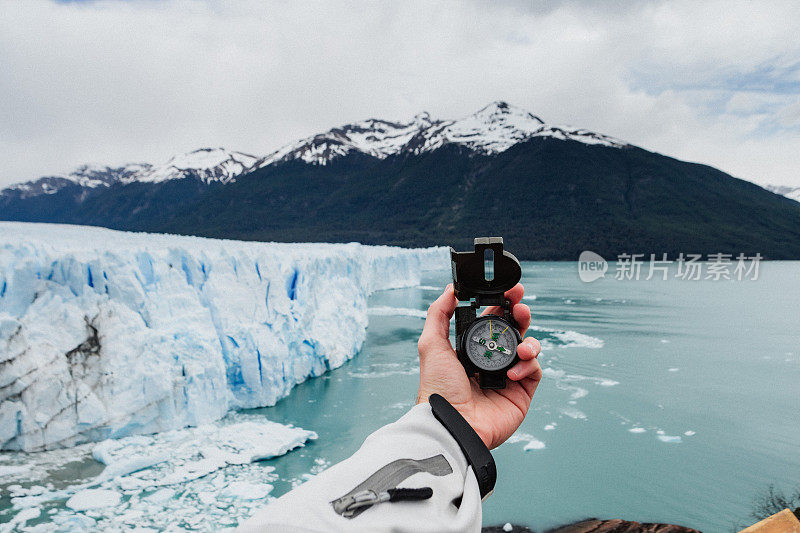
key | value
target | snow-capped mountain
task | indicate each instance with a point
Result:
(400, 182)
(205, 164)
(493, 129)
(793, 193)
(87, 176)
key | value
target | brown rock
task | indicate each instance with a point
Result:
(594, 525)
(783, 522)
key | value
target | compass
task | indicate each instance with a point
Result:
(490, 343)
(486, 345)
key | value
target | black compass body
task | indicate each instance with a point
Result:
(486, 345)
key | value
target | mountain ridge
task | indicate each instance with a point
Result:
(492, 129)
(552, 192)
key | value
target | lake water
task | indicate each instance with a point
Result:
(663, 401)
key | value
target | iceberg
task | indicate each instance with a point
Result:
(106, 334)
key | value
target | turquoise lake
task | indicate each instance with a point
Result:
(705, 373)
(663, 401)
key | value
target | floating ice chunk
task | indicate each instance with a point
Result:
(13, 470)
(247, 491)
(73, 522)
(397, 311)
(93, 499)
(550, 338)
(550, 427)
(574, 413)
(508, 527)
(411, 371)
(21, 518)
(207, 497)
(669, 438)
(637, 430)
(161, 496)
(532, 443)
(211, 473)
(577, 392)
(561, 375)
(188, 454)
(128, 466)
(689, 433)
(674, 369)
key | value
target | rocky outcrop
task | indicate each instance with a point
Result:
(593, 525)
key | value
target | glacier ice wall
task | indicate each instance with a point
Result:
(105, 334)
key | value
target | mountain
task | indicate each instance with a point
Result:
(494, 129)
(792, 193)
(132, 191)
(84, 177)
(551, 191)
(206, 164)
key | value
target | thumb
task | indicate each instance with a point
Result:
(436, 333)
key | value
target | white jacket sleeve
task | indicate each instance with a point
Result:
(414, 452)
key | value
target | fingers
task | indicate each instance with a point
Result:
(530, 384)
(513, 295)
(436, 333)
(520, 312)
(529, 349)
(525, 369)
(522, 315)
(528, 366)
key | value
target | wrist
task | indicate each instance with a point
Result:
(472, 445)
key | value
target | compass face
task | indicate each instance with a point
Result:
(491, 343)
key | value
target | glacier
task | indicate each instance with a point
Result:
(106, 334)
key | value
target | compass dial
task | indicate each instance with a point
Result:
(491, 343)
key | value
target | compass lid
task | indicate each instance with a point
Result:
(486, 273)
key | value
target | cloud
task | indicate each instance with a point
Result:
(112, 82)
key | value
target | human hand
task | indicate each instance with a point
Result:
(494, 414)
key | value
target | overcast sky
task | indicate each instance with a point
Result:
(121, 81)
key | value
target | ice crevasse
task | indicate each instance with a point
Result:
(105, 334)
